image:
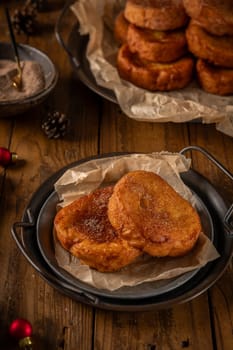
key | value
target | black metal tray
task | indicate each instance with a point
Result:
(44, 234)
(75, 47)
(215, 215)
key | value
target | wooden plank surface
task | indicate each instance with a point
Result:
(58, 321)
(167, 329)
(96, 127)
(221, 294)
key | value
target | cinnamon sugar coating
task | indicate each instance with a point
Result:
(156, 14)
(154, 76)
(83, 229)
(152, 216)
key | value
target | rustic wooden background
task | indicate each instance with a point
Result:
(97, 126)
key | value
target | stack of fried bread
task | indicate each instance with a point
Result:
(110, 227)
(210, 39)
(153, 52)
(158, 36)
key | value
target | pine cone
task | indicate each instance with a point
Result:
(56, 125)
(38, 5)
(24, 20)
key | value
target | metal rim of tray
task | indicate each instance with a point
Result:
(75, 47)
(200, 282)
(45, 242)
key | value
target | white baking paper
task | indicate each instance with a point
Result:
(96, 18)
(86, 177)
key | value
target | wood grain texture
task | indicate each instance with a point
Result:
(164, 329)
(221, 294)
(96, 127)
(174, 328)
(58, 322)
(122, 134)
(222, 304)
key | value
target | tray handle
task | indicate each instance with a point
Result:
(86, 297)
(16, 235)
(59, 36)
(228, 222)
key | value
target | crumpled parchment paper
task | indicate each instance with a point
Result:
(88, 176)
(96, 18)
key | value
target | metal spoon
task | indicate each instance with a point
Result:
(17, 80)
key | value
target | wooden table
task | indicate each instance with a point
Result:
(97, 126)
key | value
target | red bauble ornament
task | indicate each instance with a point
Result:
(7, 157)
(21, 330)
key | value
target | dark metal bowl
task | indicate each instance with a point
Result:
(28, 53)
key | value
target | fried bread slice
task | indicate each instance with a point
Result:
(217, 50)
(213, 15)
(84, 230)
(158, 46)
(154, 76)
(121, 28)
(215, 80)
(152, 216)
(156, 14)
